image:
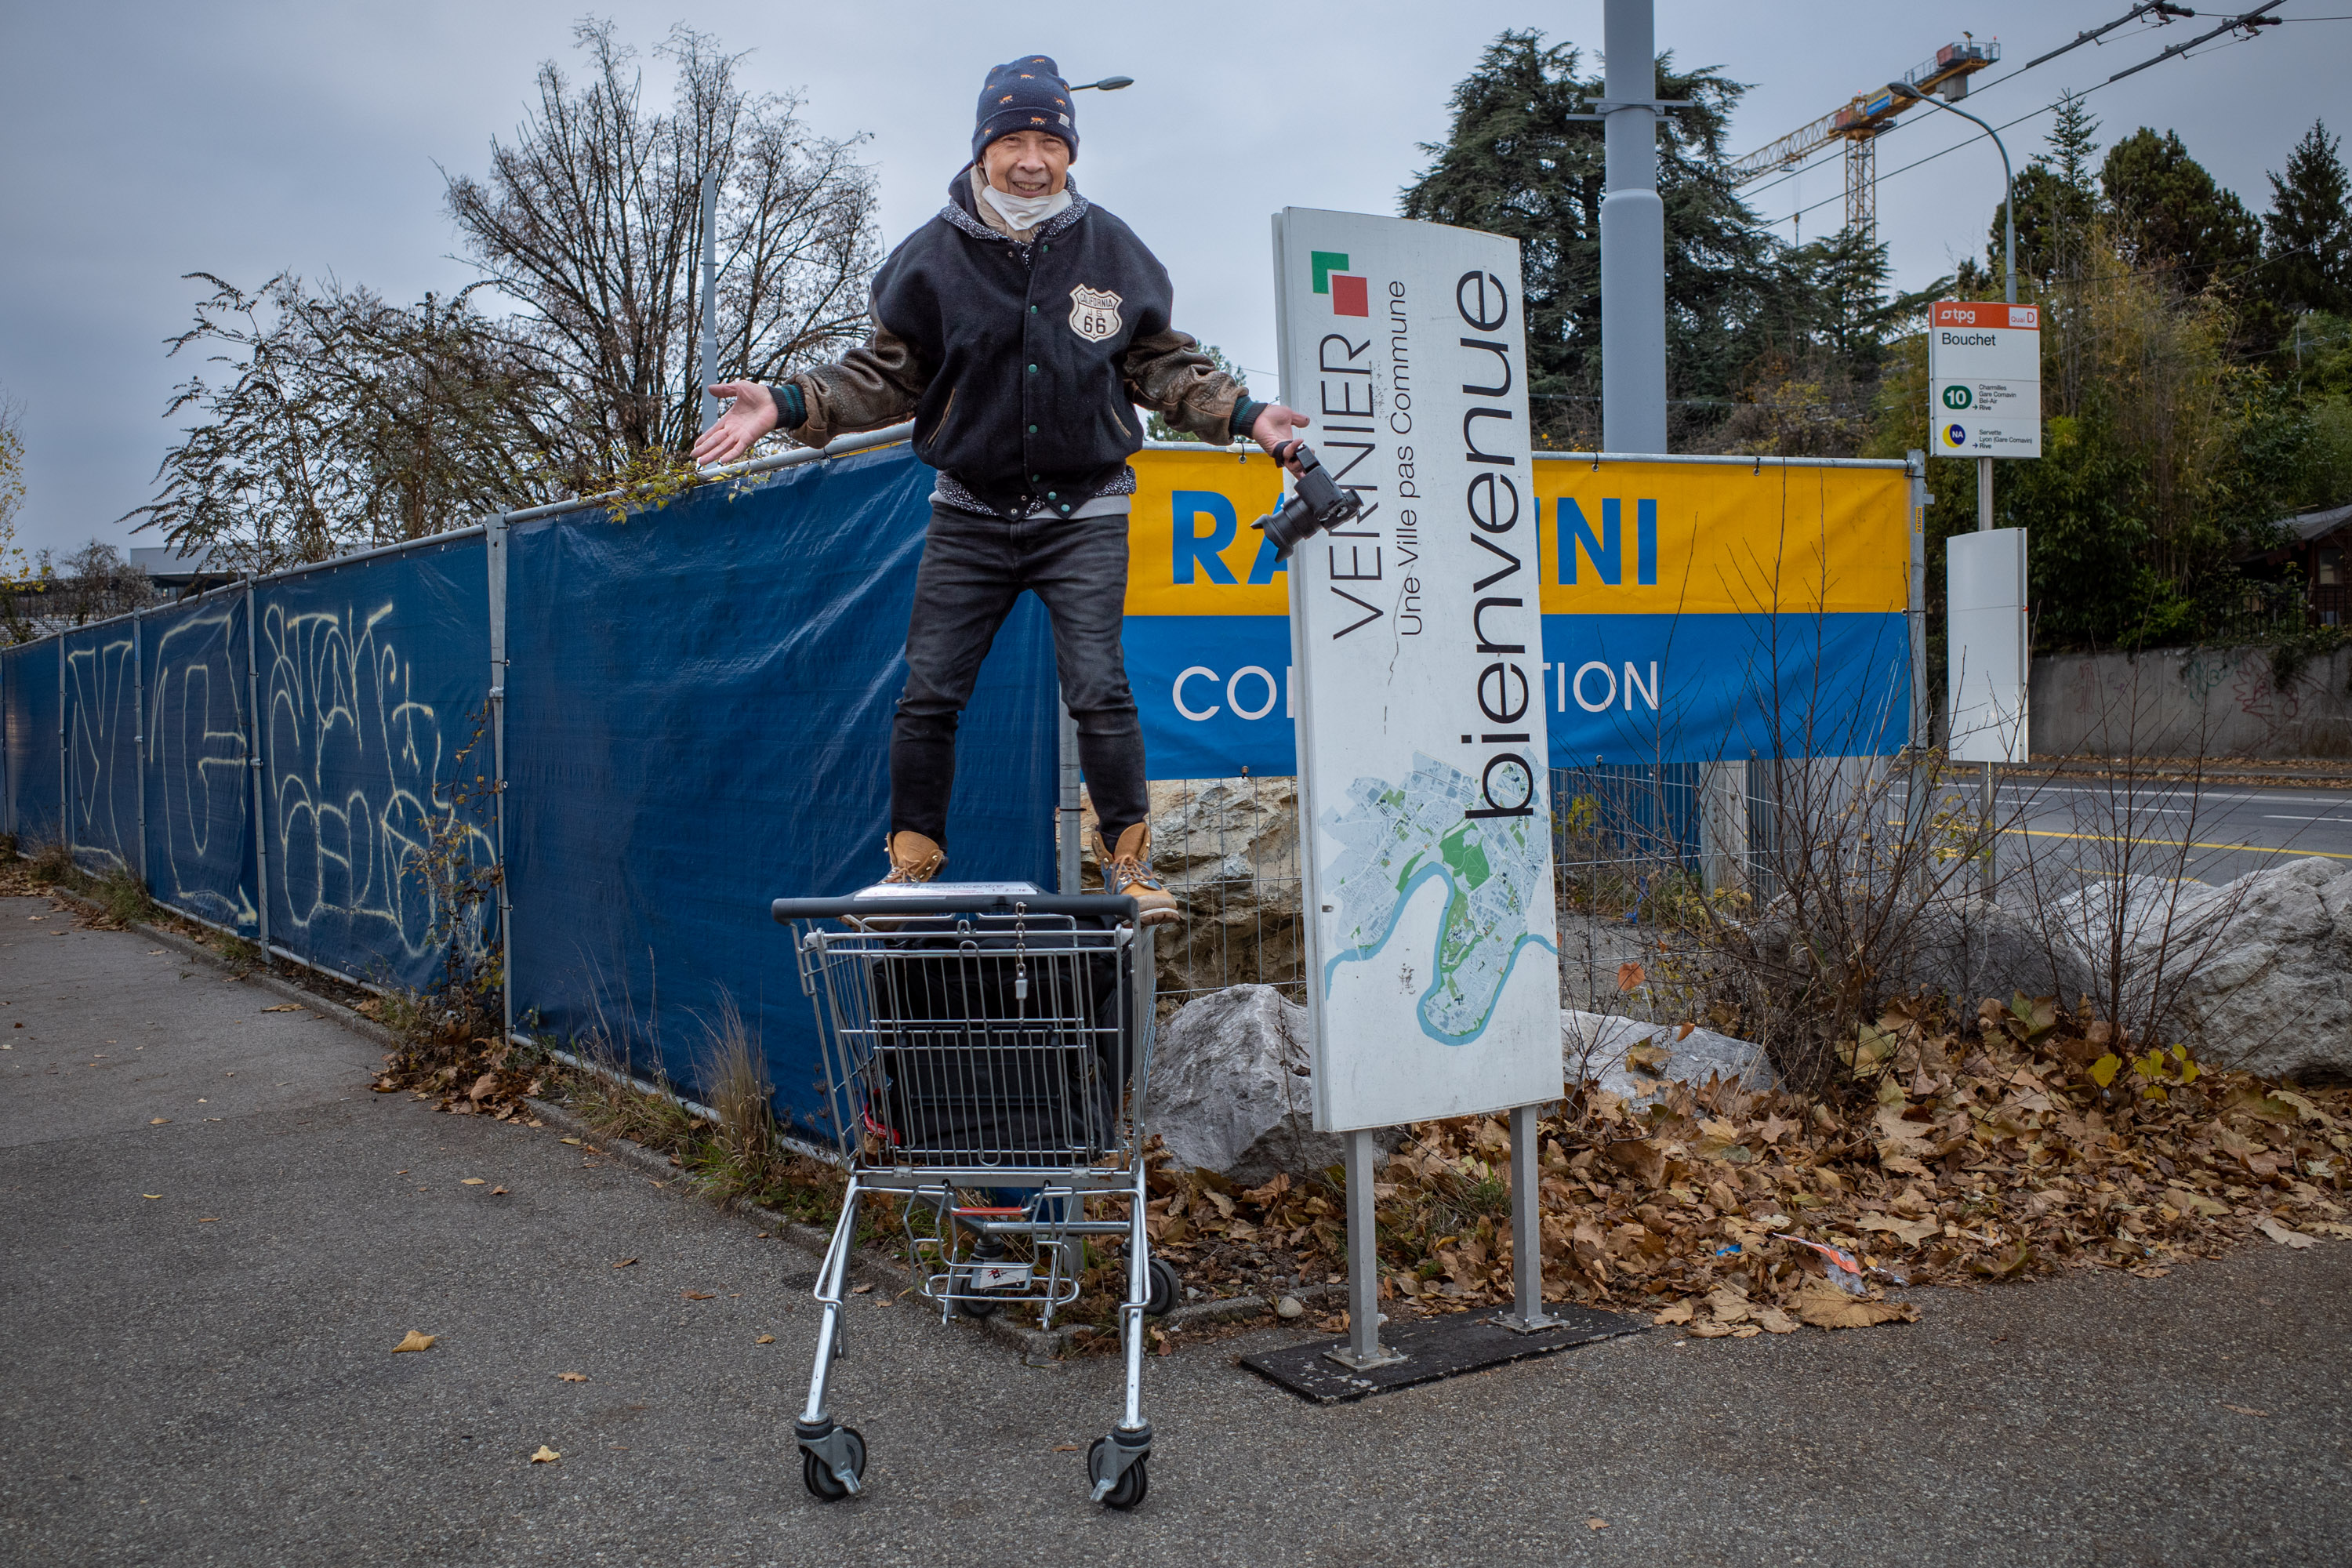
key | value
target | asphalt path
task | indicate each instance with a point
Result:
(215, 1235)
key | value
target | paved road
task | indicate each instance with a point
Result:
(202, 1376)
(2228, 830)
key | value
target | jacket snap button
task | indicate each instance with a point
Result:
(1032, 430)
(1033, 310)
(1053, 495)
(1033, 370)
(1065, 506)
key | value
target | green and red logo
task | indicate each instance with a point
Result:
(1351, 295)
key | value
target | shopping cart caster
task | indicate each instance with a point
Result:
(1117, 1466)
(832, 1460)
(1166, 1290)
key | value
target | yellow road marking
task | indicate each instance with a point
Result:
(2174, 843)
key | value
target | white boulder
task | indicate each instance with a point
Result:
(1593, 1045)
(1232, 1089)
(2257, 974)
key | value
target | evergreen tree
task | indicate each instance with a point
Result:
(2172, 215)
(1514, 163)
(2310, 229)
(2057, 196)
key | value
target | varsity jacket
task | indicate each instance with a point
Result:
(1021, 359)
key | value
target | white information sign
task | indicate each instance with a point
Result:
(1986, 625)
(1984, 379)
(1425, 821)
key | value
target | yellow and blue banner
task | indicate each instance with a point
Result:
(1691, 611)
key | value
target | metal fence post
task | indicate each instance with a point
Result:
(65, 755)
(1917, 808)
(139, 728)
(1067, 837)
(256, 727)
(494, 538)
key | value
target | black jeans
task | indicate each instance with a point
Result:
(973, 569)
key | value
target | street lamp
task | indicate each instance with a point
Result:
(1905, 92)
(1107, 84)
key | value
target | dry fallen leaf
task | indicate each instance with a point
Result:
(1680, 1313)
(1825, 1306)
(546, 1456)
(571, 1141)
(209, 1219)
(497, 1191)
(157, 1120)
(624, 1263)
(766, 1339)
(1773, 1321)
(2242, 1410)
(472, 1182)
(572, 1376)
(699, 1295)
(287, 1007)
(150, 1194)
(2283, 1235)
(414, 1342)
(1630, 976)
(862, 1289)
(1596, 1522)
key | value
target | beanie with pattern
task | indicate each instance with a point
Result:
(1026, 94)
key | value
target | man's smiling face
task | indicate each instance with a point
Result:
(1026, 163)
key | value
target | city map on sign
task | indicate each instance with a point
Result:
(1399, 837)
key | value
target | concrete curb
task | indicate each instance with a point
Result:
(264, 976)
(1037, 1347)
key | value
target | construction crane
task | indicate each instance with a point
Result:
(1860, 121)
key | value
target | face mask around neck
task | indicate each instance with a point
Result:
(1024, 212)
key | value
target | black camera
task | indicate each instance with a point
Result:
(1314, 505)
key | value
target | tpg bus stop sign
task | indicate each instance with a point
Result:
(1984, 379)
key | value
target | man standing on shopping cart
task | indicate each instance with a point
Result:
(1019, 328)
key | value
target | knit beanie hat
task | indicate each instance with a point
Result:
(1026, 94)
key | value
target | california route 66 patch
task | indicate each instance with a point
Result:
(1094, 314)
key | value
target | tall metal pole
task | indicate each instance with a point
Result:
(494, 556)
(710, 295)
(1632, 237)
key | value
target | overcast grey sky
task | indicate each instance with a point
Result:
(139, 141)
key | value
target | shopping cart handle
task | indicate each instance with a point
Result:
(1081, 906)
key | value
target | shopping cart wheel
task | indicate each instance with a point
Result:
(1132, 1484)
(976, 1306)
(818, 1477)
(1167, 1289)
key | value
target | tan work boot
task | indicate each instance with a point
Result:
(913, 858)
(1128, 870)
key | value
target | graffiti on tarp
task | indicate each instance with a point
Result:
(357, 762)
(101, 740)
(199, 790)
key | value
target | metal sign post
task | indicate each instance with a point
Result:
(1984, 391)
(1416, 639)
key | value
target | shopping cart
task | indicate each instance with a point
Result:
(986, 1048)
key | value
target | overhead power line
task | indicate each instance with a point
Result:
(2163, 9)
(2251, 20)
(2234, 22)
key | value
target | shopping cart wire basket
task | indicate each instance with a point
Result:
(986, 1050)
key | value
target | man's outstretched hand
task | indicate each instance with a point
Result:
(1276, 424)
(753, 417)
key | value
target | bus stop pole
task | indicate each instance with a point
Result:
(1527, 1315)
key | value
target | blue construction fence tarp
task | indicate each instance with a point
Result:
(698, 706)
